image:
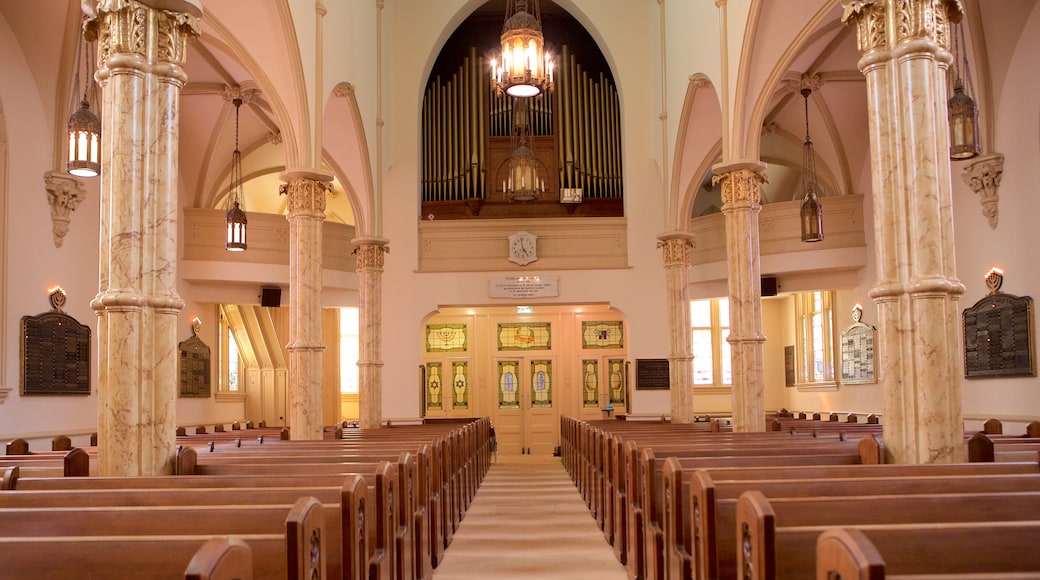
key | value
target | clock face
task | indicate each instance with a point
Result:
(522, 248)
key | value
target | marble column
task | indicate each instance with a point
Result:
(368, 254)
(741, 202)
(904, 46)
(676, 247)
(141, 52)
(306, 192)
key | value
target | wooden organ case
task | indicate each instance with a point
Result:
(468, 141)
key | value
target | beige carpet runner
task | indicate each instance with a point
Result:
(528, 521)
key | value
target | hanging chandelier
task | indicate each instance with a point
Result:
(84, 129)
(812, 213)
(236, 215)
(524, 69)
(962, 111)
(524, 182)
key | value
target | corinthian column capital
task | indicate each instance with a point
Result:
(147, 35)
(882, 24)
(676, 247)
(306, 195)
(740, 188)
(369, 252)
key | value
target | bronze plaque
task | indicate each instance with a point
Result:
(652, 373)
(998, 337)
(858, 354)
(55, 355)
(193, 368)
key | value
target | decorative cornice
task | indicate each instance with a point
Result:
(64, 194)
(740, 188)
(983, 177)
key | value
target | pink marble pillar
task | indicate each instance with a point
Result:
(904, 47)
(141, 52)
(306, 192)
(368, 254)
(741, 202)
(676, 248)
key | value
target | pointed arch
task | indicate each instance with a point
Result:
(696, 147)
(348, 154)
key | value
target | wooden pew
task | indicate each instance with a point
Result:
(72, 463)
(990, 448)
(221, 558)
(848, 554)
(776, 545)
(714, 503)
(160, 556)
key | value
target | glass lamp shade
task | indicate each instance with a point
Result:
(525, 69)
(524, 182)
(812, 218)
(963, 116)
(236, 229)
(84, 143)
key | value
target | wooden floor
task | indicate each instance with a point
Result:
(528, 521)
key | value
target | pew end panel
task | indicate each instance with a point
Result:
(221, 558)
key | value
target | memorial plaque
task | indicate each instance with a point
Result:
(998, 337)
(55, 352)
(193, 367)
(858, 351)
(652, 373)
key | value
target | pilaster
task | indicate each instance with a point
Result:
(741, 203)
(905, 56)
(369, 265)
(306, 192)
(675, 250)
(141, 52)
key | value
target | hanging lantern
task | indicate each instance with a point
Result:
(962, 111)
(235, 220)
(524, 69)
(812, 213)
(84, 128)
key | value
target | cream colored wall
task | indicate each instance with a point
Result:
(34, 264)
(1012, 245)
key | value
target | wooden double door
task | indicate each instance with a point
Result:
(528, 414)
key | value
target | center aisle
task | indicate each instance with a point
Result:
(529, 521)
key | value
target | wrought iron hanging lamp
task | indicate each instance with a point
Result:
(524, 69)
(962, 111)
(236, 215)
(812, 213)
(84, 128)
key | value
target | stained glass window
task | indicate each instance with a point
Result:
(602, 334)
(434, 386)
(508, 385)
(541, 384)
(446, 338)
(616, 380)
(524, 336)
(590, 382)
(459, 385)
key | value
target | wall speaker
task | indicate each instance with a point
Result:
(769, 286)
(271, 297)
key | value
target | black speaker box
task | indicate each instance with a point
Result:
(768, 285)
(271, 297)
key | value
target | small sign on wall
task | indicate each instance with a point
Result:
(652, 373)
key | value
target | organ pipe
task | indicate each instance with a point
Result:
(461, 114)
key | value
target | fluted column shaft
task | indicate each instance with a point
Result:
(741, 202)
(904, 46)
(305, 193)
(368, 254)
(675, 249)
(141, 53)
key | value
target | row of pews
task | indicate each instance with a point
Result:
(807, 500)
(376, 504)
